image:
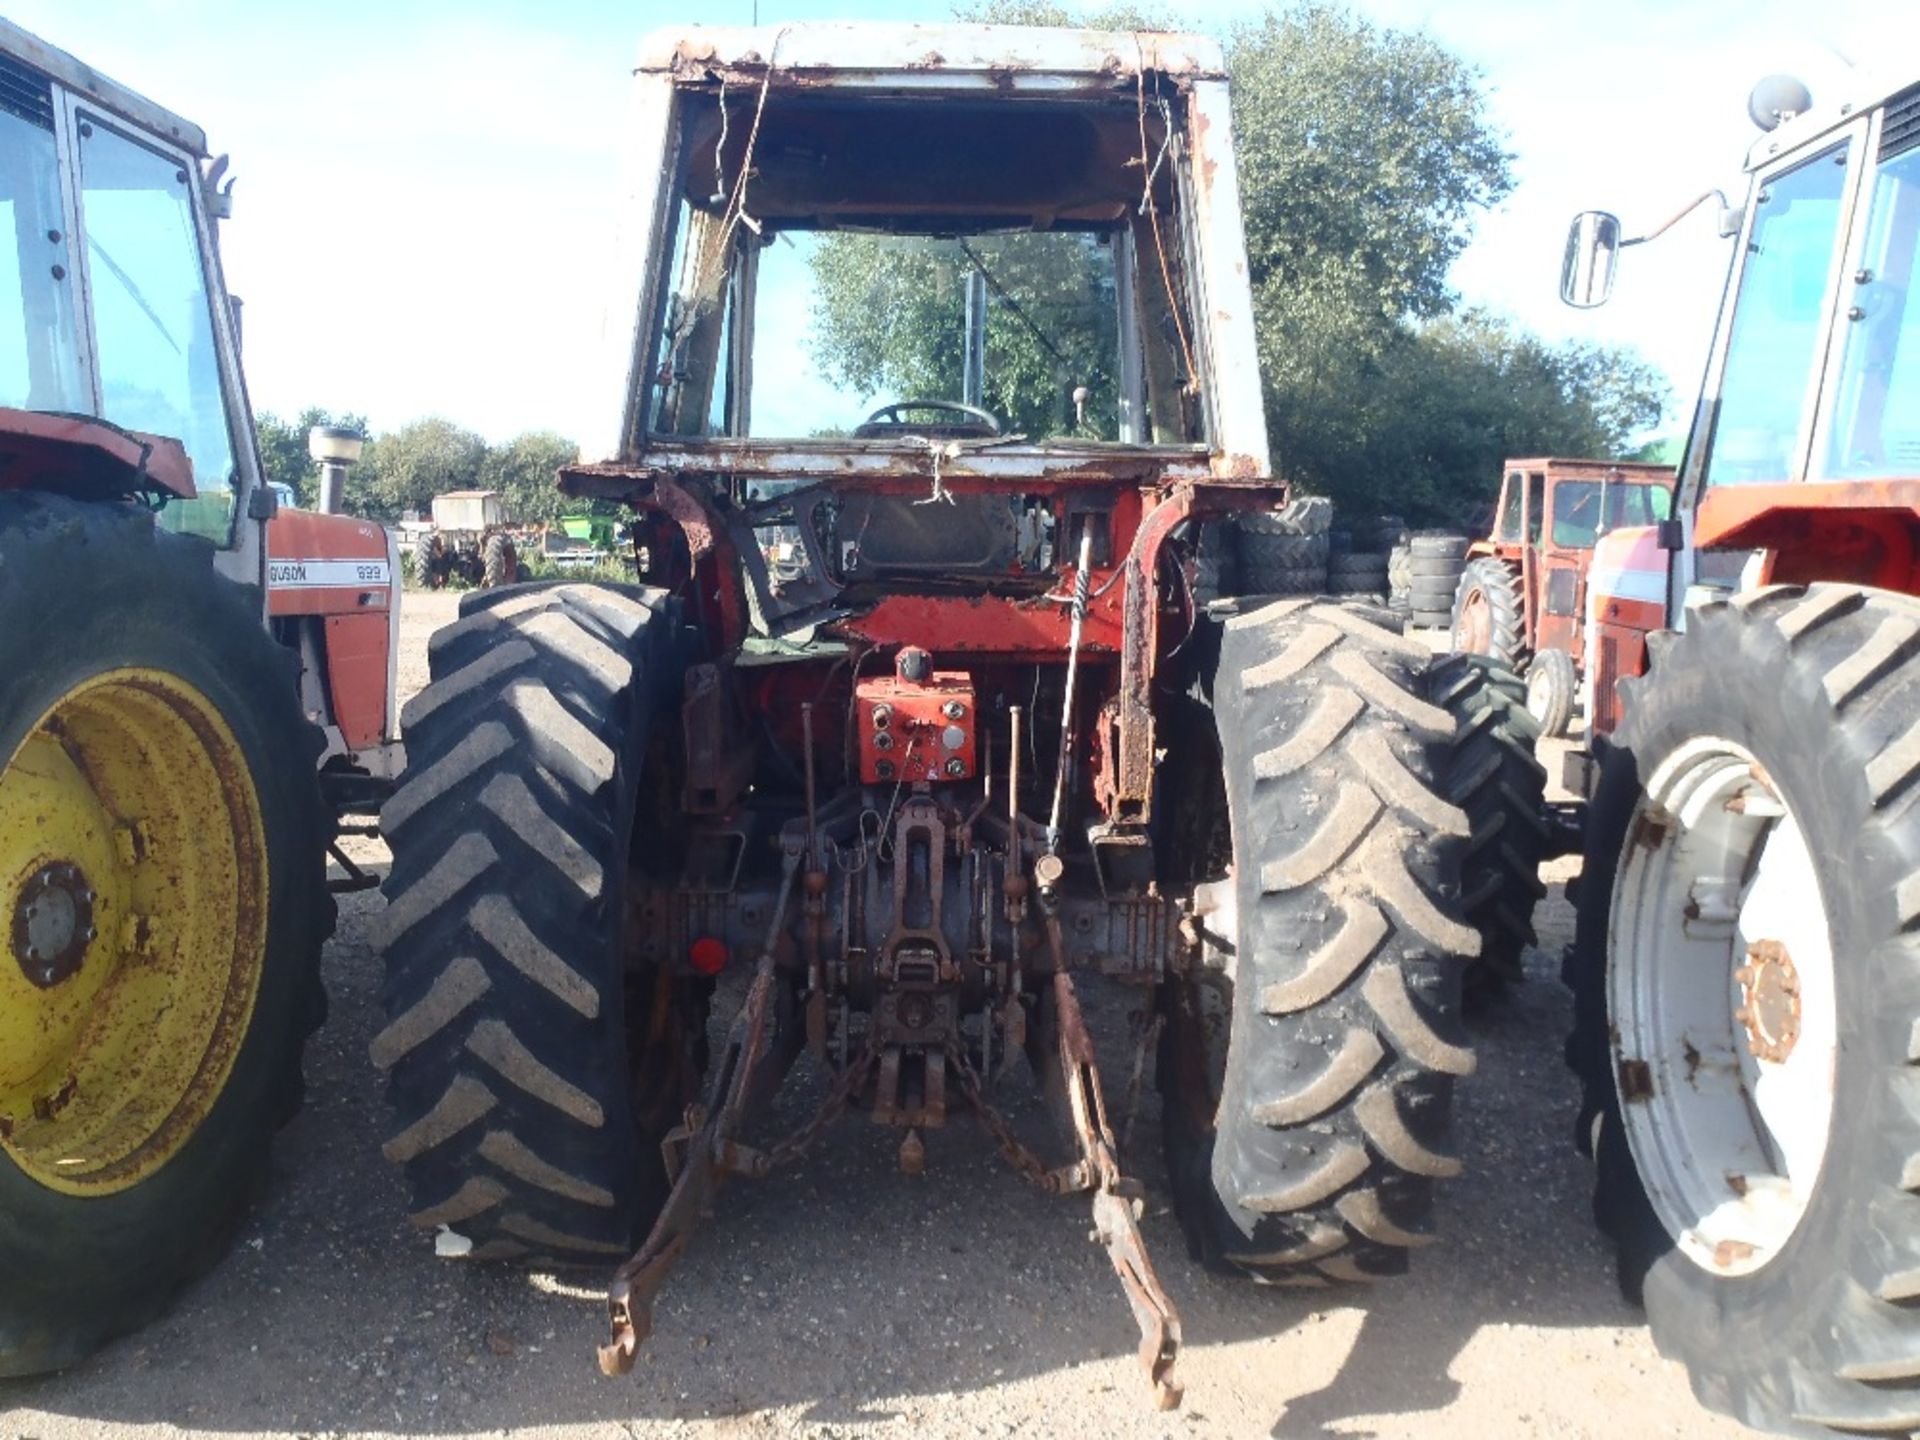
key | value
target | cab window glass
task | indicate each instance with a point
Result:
(152, 316)
(39, 341)
(1777, 323)
(1536, 506)
(1876, 418)
(1583, 510)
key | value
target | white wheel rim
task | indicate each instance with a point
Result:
(1720, 989)
(1537, 695)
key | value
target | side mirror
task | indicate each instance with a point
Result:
(1593, 248)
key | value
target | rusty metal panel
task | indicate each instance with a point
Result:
(1223, 302)
(940, 55)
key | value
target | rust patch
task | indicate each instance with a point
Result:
(1731, 1252)
(1650, 832)
(1635, 1079)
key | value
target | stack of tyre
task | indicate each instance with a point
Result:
(1285, 551)
(1423, 571)
(1358, 558)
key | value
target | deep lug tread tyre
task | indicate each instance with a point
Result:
(1304, 515)
(1822, 685)
(508, 1007)
(1494, 777)
(79, 1272)
(1332, 1120)
(1551, 685)
(500, 562)
(1505, 598)
(1257, 578)
(1361, 564)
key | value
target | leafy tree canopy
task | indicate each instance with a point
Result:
(283, 448)
(1365, 153)
(401, 470)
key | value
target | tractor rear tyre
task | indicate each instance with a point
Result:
(1551, 683)
(1746, 976)
(1309, 1083)
(528, 1098)
(162, 849)
(500, 563)
(1490, 612)
(1493, 776)
(429, 563)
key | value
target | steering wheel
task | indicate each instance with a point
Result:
(967, 423)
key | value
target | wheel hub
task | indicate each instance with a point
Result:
(53, 924)
(1769, 1001)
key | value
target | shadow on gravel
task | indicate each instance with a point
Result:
(841, 1287)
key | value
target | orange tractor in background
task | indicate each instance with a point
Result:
(194, 686)
(1746, 968)
(1522, 595)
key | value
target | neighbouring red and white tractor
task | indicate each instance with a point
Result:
(194, 685)
(1747, 962)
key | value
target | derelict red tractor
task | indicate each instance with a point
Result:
(914, 725)
(194, 685)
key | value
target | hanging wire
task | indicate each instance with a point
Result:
(1152, 210)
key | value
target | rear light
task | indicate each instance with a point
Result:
(707, 955)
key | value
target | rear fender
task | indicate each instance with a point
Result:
(1863, 531)
(89, 459)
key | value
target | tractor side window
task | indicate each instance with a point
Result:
(1777, 323)
(1509, 528)
(39, 341)
(1536, 506)
(153, 317)
(1876, 426)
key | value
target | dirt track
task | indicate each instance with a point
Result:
(846, 1299)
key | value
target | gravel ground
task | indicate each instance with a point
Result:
(845, 1299)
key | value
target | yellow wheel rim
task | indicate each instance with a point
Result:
(133, 912)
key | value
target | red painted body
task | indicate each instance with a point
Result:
(337, 570)
(1627, 601)
(916, 730)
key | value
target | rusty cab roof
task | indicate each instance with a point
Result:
(1626, 472)
(907, 57)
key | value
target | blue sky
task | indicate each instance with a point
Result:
(426, 190)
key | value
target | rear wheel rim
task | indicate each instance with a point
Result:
(1473, 629)
(133, 872)
(1724, 1007)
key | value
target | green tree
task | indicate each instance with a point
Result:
(1365, 154)
(524, 470)
(283, 448)
(888, 320)
(1421, 427)
(404, 469)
